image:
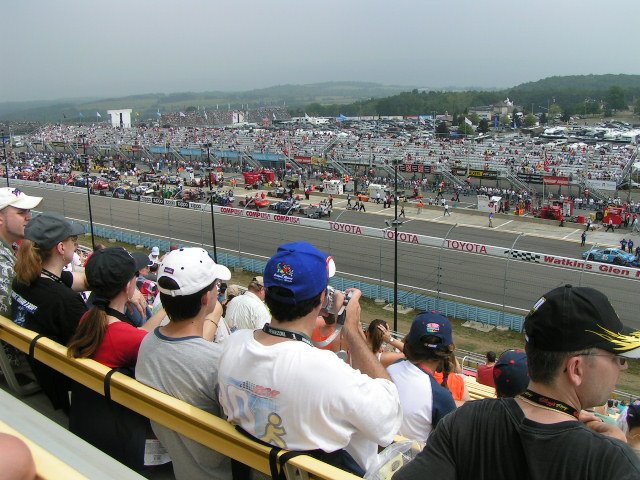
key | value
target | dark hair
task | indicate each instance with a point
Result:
(182, 307)
(419, 353)
(544, 365)
(89, 334)
(491, 357)
(375, 335)
(633, 414)
(286, 312)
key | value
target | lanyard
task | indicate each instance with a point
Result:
(51, 276)
(549, 403)
(277, 332)
(115, 313)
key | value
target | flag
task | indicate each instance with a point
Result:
(274, 115)
(182, 114)
(205, 114)
(98, 115)
(158, 113)
(80, 114)
(468, 122)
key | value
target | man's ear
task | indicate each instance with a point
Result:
(575, 369)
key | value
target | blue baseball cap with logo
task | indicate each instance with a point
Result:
(431, 324)
(300, 268)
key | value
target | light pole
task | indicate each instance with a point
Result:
(6, 159)
(213, 222)
(83, 139)
(395, 223)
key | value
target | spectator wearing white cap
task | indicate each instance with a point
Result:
(154, 256)
(175, 359)
(15, 213)
(248, 310)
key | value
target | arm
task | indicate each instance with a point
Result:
(154, 321)
(597, 425)
(211, 323)
(362, 358)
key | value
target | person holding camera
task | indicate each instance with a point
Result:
(285, 392)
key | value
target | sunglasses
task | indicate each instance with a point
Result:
(621, 361)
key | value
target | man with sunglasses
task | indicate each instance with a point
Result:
(576, 348)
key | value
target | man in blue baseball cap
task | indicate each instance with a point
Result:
(282, 390)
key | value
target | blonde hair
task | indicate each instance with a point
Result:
(29, 262)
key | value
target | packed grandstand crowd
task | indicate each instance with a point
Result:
(363, 147)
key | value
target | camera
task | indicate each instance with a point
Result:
(334, 301)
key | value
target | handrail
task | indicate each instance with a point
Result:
(183, 418)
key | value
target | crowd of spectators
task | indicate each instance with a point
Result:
(353, 147)
(338, 404)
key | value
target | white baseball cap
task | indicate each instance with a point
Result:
(15, 197)
(192, 269)
(155, 251)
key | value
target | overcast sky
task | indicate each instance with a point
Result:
(72, 48)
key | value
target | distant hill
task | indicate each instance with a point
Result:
(148, 104)
(581, 82)
(333, 98)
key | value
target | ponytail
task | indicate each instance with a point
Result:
(89, 334)
(29, 262)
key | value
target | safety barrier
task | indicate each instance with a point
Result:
(417, 301)
(175, 414)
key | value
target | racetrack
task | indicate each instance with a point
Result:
(475, 278)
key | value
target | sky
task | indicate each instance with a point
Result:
(90, 48)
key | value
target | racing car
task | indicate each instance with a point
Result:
(286, 206)
(609, 255)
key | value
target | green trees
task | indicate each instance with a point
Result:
(442, 130)
(615, 98)
(529, 121)
(483, 126)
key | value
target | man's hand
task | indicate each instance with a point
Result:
(352, 314)
(597, 425)
(139, 302)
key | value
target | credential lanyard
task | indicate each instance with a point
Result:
(278, 332)
(549, 403)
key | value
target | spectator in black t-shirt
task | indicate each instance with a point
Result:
(43, 299)
(576, 348)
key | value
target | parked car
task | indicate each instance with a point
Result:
(609, 255)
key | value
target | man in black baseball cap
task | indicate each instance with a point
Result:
(576, 348)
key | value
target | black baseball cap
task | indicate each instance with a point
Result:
(109, 270)
(142, 260)
(569, 319)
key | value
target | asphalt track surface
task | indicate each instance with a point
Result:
(469, 277)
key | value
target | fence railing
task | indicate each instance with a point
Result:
(455, 273)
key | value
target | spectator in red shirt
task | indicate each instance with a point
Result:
(105, 333)
(485, 372)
